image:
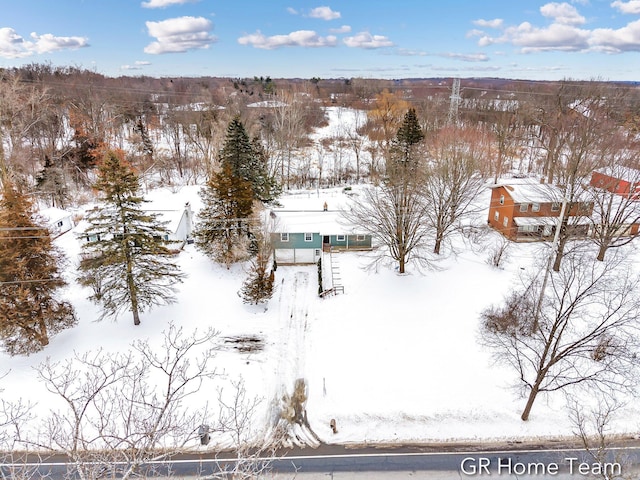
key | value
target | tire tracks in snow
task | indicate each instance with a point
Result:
(294, 316)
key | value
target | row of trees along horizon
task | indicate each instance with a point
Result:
(429, 162)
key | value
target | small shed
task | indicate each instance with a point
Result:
(58, 221)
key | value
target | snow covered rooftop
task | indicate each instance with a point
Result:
(630, 175)
(311, 221)
(534, 192)
(523, 190)
(54, 214)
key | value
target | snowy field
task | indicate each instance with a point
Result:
(396, 358)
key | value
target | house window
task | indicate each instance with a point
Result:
(528, 229)
(317, 252)
(360, 238)
(60, 223)
(340, 238)
(308, 237)
(524, 207)
(555, 206)
(501, 199)
(535, 207)
(284, 237)
(505, 222)
(496, 216)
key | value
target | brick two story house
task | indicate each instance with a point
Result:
(525, 210)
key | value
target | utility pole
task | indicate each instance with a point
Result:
(547, 272)
(454, 102)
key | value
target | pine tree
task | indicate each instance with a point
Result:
(51, 182)
(223, 230)
(30, 275)
(248, 161)
(409, 135)
(258, 287)
(127, 255)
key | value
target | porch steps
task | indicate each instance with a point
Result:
(336, 280)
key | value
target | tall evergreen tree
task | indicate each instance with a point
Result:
(408, 137)
(248, 161)
(127, 254)
(51, 183)
(223, 230)
(396, 213)
(30, 275)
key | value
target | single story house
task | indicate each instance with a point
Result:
(58, 221)
(527, 210)
(300, 237)
(179, 225)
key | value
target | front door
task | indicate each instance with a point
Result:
(326, 243)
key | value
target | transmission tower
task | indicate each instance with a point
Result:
(455, 101)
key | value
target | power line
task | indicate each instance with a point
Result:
(38, 280)
(23, 238)
(11, 229)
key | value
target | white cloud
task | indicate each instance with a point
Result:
(495, 23)
(404, 52)
(562, 13)
(137, 65)
(557, 37)
(565, 35)
(630, 7)
(475, 33)
(342, 29)
(625, 39)
(292, 11)
(50, 43)
(466, 57)
(13, 45)
(300, 38)
(180, 34)
(368, 41)
(165, 3)
(325, 13)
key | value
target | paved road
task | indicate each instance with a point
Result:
(341, 463)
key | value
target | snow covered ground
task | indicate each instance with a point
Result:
(396, 358)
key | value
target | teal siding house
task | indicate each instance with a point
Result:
(296, 247)
(300, 237)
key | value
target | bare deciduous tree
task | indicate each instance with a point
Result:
(395, 215)
(592, 427)
(120, 412)
(614, 213)
(452, 182)
(586, 330)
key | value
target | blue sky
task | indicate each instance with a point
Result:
(525, 39)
